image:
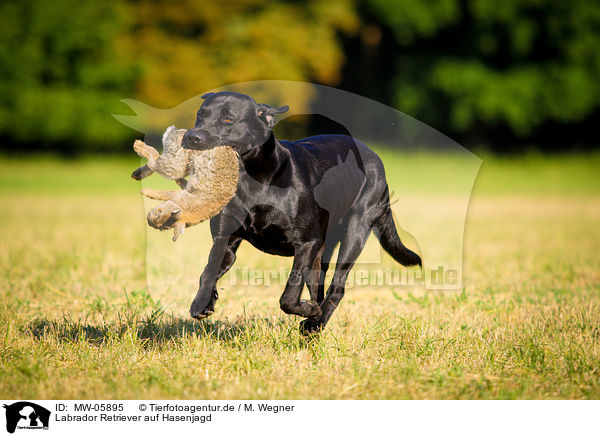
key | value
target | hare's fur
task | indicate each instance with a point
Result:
(213, 179)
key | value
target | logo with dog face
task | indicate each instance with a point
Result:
(26, 415)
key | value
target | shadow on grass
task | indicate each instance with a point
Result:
(142, 319)
(154, 331)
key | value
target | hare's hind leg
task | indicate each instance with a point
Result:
(160, 194)
(164, 216)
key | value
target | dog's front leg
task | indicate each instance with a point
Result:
(304, 260)
(221, 258)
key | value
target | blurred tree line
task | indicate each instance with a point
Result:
(508, 75)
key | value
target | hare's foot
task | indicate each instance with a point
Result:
(145, 151)
(164, 216)
(141, 173)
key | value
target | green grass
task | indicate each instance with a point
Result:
(77, 319)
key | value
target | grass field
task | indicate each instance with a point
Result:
(77, 319)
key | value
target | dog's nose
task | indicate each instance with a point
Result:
(194, 138)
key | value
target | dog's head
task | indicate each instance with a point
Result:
(229, 118)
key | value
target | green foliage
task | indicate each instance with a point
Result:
(519, 63)
(62, 70)
(413, 19)
(465, 66)
(217, 43)
(65, 64)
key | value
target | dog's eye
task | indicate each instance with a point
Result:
(228, 120)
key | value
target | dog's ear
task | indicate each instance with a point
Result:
(205, 96)
(267, 113)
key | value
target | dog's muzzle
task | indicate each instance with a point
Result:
(194, 139)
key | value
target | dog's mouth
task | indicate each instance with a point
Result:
(199, 146)
(205, 146)
(196, 146)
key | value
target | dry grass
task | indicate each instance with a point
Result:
(77, 320)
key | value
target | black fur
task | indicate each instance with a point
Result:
(297, 199)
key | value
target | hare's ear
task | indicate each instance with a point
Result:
(170, 131)
(267, 113)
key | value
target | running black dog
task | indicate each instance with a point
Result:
(297, 199)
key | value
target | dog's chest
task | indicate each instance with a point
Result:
(269, 234)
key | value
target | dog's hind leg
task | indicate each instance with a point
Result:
(350, 249)
(316, 284)
(314, 276)
(333, 238)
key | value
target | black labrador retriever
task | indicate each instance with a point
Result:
(297, 199)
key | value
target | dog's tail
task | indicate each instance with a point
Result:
(390, 241)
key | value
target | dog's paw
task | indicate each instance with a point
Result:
(309, 327)
(315, 312)
(201, 313)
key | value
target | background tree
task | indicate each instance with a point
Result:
(62, 71)
(510, 72)
(505, 74)
(65, 64)
(217, 43)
